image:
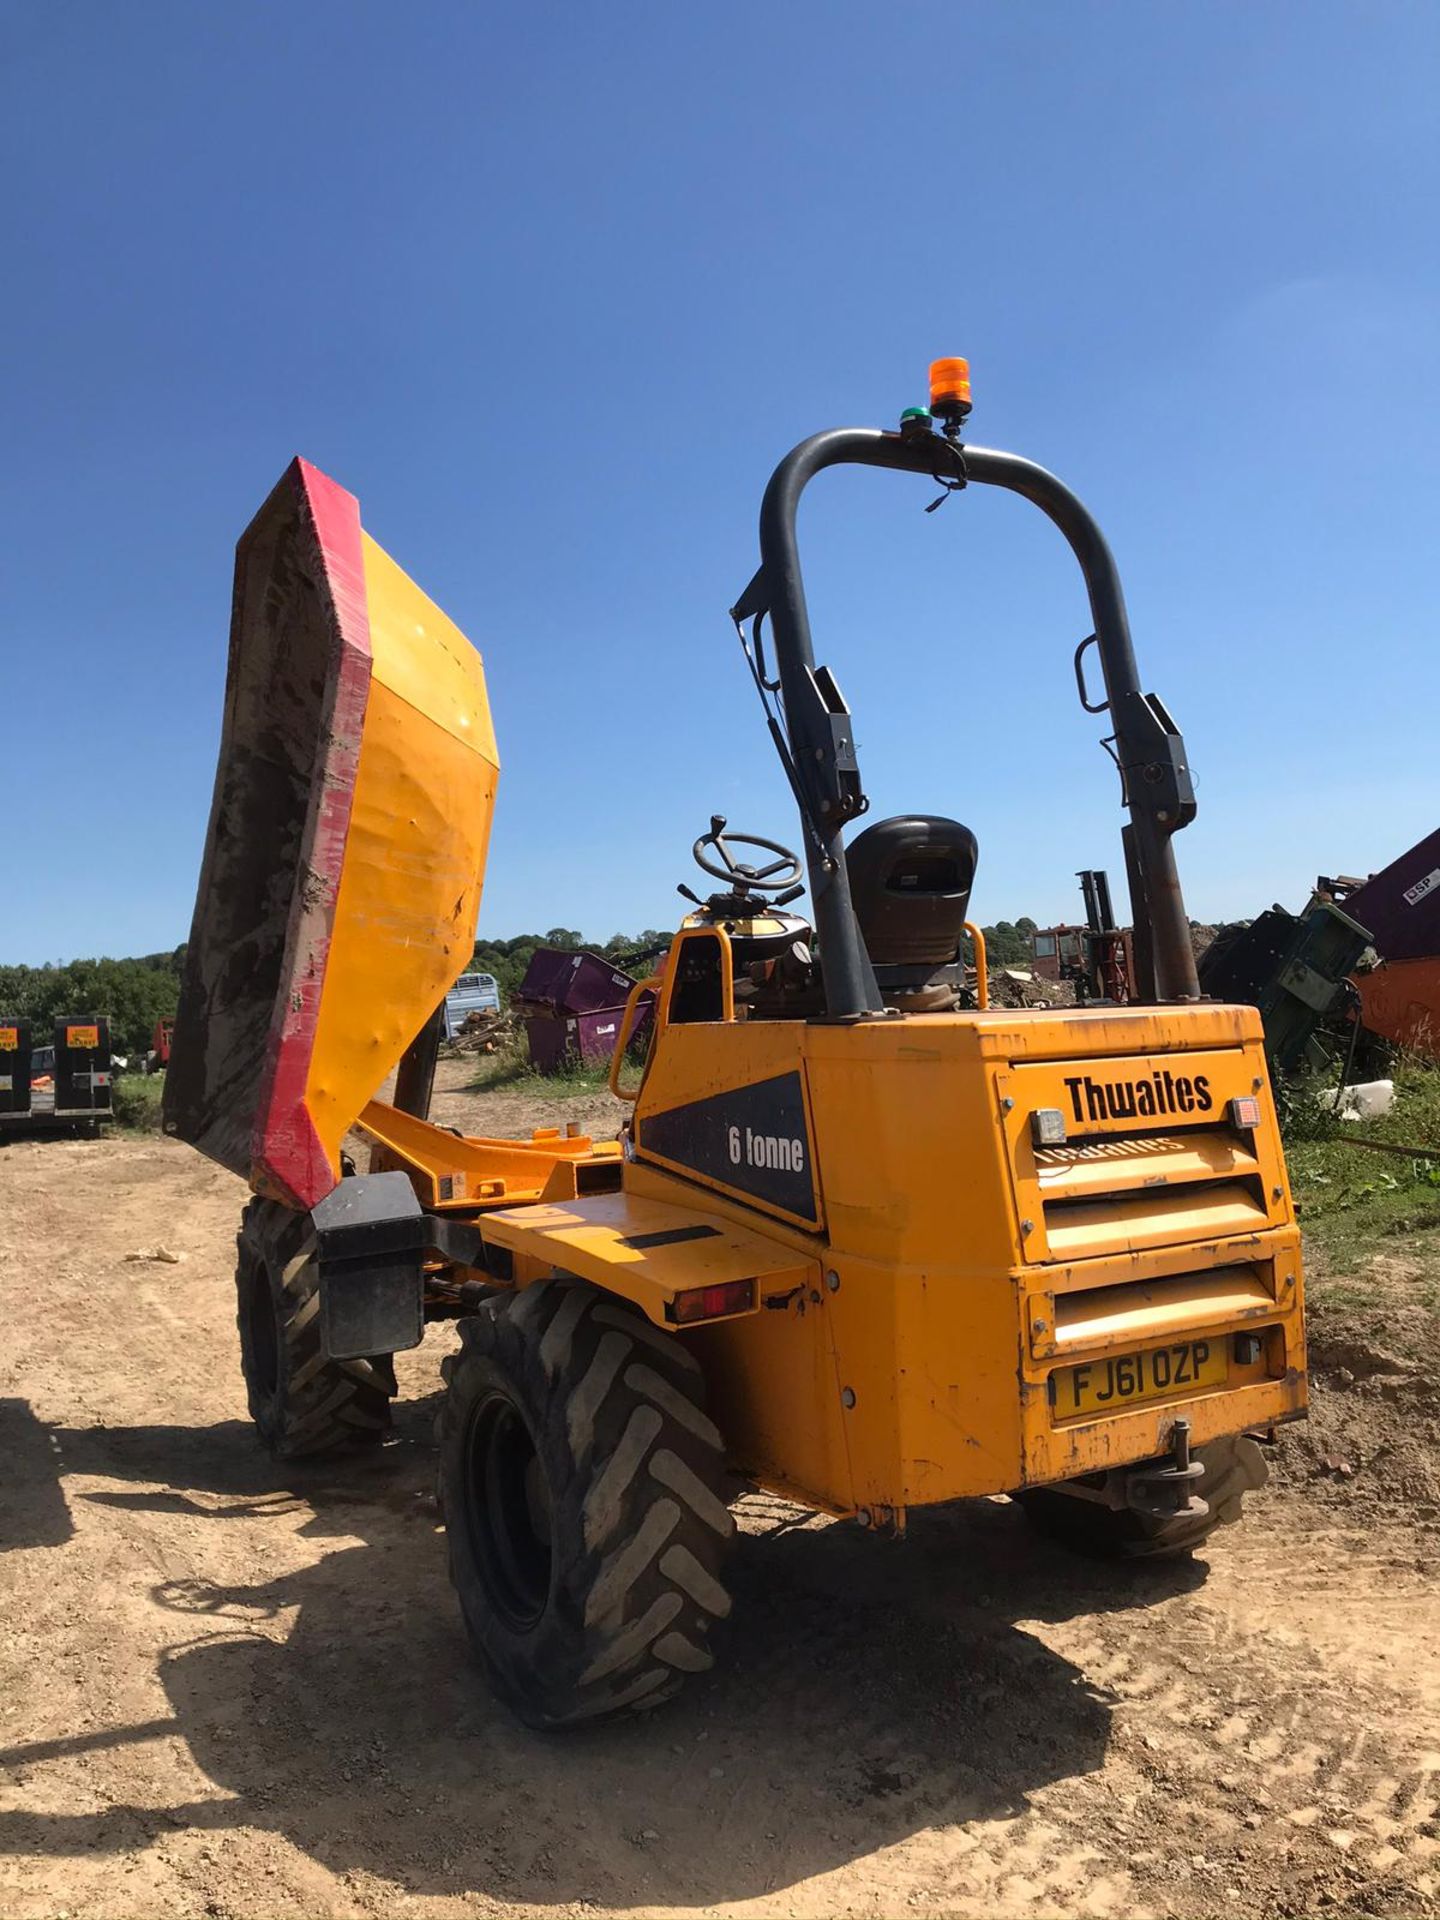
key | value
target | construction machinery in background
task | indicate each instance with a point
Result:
(161, 1039)
(1400, 995)
(1110, 951)
(1349, 979)
(63, 1082)
(1296, 969)
(1057, 953)
(1097, 959)
(858, 1243)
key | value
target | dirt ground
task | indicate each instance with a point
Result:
(229, 1687)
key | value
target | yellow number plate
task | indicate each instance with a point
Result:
(82, 1036)
(1120, 1381)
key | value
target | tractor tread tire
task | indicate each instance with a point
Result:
(301, 1402)
(634, 1474)
(1234, 1466)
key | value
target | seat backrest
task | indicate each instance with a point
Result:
(910, 881)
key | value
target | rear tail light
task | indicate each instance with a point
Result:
(712, 1303)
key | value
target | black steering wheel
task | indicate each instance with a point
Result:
(784, 870)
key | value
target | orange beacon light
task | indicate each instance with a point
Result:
(950, 388)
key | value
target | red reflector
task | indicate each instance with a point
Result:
(1245, 1111)
(710, 1303)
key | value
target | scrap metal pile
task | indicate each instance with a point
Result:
(1356, 972)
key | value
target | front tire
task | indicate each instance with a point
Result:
(580, 1481)
(1234, 1466)
(301, 1401)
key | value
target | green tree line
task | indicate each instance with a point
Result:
(1007, 944)
(508, 959)
(131, 994)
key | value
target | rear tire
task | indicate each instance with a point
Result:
(301, 1402)
(1233, 1466)
(580, 1480)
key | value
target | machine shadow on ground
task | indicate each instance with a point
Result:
(889, 1682)
(33, 1509)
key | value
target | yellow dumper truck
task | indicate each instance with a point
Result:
(864, 1239)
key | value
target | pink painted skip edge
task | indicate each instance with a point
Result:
(288, 1154)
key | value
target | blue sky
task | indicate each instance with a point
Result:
(552, 287)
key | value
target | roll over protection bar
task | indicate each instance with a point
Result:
(817, 744)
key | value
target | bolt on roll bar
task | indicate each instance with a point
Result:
(816, 741)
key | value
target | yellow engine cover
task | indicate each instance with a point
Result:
(992, 1312)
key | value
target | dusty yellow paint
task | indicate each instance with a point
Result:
(596, 1239)
(909, 1320)
(918, 1370)
(904, 1342)
(451, 1173)
(405, 914)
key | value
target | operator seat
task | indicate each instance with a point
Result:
(910, 881)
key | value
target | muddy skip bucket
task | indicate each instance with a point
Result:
(343, 862)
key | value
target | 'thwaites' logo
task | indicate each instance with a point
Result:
(1142, 1099)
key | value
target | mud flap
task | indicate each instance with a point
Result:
(371, 1236)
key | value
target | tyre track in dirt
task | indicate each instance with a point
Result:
(229, 1687)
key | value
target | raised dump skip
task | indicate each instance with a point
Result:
(346, 848)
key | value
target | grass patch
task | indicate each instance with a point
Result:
(1357, 1205)
(135, 1101)
(508, 1070)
